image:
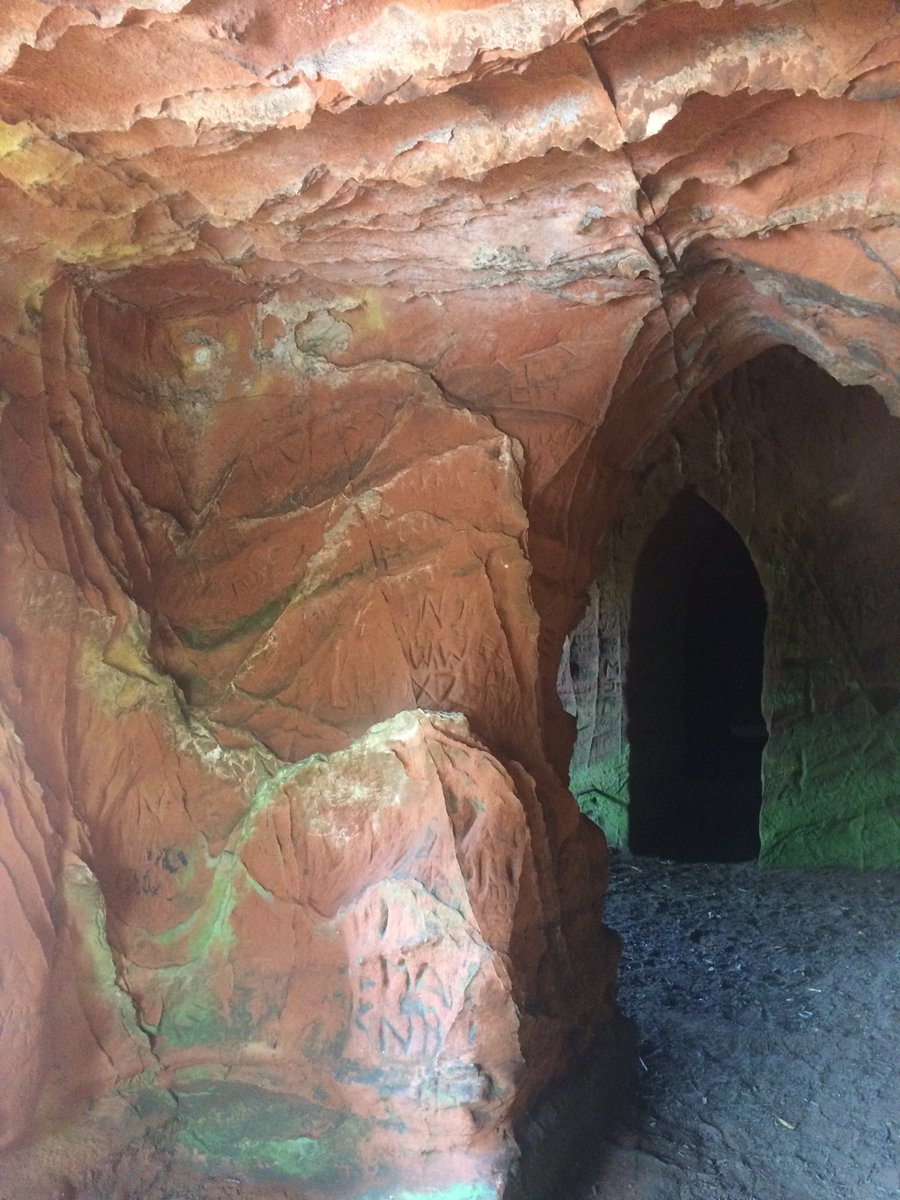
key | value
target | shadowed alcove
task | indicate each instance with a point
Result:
(770, 505)
(693, 690)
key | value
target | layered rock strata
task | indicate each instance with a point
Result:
(333, 337)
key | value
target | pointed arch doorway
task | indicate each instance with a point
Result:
(693, 690)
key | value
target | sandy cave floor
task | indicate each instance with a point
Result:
(768, 1011)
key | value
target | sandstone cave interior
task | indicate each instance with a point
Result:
(450, 556)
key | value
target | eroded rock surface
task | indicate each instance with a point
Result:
(807, 473)
(332, 338)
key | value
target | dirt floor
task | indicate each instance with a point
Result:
(768, 1013)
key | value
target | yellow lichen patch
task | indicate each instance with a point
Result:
(125, 653)
(115, 666)
(33, 301)
(13, 137)
(34, 161)
(104, 248)
(372, 312)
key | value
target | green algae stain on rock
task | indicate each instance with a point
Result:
(212, 636)
(601, 789)
(831, 791)
(457, 1191)
(269, 1135)
(193, 1013)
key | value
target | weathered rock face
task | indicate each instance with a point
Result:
(334, 338)
(808, 473)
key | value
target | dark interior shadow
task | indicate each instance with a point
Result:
(693, 690)
(563, 1137)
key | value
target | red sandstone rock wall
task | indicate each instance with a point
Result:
(808, 474)
(329, 337)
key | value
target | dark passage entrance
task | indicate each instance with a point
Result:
(693, 691)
